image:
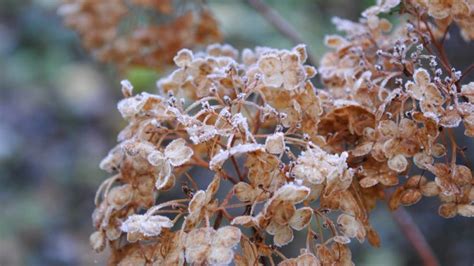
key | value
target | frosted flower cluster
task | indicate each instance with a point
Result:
(239, 152)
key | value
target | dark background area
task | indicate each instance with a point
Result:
(58, 119)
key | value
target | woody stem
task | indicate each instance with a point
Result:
(413, 234)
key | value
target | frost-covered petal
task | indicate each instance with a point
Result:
(422, 160)
(283, 236)
(351, 227)
(292, 193)
(466, 210)
(432, 94)
(156, 158)
(177, 152)
(275, 144)
(183, 58)
(220, 256)
(244, 192)
(467, 91)
(165, 179)
(301, 218)
(198, 201)
(422, 77)
(269, 65)
(197, 244)
(398, 163)
(227, 236)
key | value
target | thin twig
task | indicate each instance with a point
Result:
(466, 71)
(280, 24)
(413, 234)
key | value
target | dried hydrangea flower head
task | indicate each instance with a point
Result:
(140, 32)
(244, 151)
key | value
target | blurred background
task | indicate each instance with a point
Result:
(58, 119)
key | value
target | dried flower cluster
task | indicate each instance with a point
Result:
(140, 32)
(294, 156)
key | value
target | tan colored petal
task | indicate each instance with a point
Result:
(388, 128)
(97, 241)
(177, 152)
(301, 218)
(283, 236)
(368, 182)
(198, 201)
(300, 50)
(466, 210)
(275, 144)
(422, 77)
(244, 192)
(269, 65)
(414, 90)
(227, 236)
(430, 189)
(183, 58)
(282, 212)
(220, 256)
(422, 160)
(165, 179)
(447, 210)
(410, 197)
(398, 163)
(467, 90)
(292, 193)
(342, 239)
(119, 197)
(433, 95)
(245, 220)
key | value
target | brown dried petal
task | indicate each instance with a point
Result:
(197, 244)
(447, 210)
(368, 182)
(292, 193)
(177, 152)
(430, 189)
(97, 241)
(275, 144)
(410, 197)
(227, 236)
(283, 236)
(388, 128)
(301, 218)
(283, 212)
(466, 210)
(438, 150)
(362, 149)
(462, 175)
(351, 227)
(421, 76)
(220, 256)
(165, 179)
(119, 197)
(422, 160)
(467, 90)
(183, 58)
(398, 163)
(244, 192)
(342, 239)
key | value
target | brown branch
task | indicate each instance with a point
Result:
(413, 234)
(280, 24)
(466, 71)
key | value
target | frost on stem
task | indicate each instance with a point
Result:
(289, 152)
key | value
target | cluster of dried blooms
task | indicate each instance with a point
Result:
(297, 159)
(140, 32)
